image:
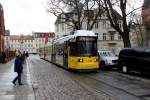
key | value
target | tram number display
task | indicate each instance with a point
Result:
(86, 38)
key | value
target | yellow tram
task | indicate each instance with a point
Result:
(77, 50)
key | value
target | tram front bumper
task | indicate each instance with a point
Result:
(85, 66)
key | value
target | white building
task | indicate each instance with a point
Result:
(29, 43)
(22, 43)
(39, 38)
(108, 38)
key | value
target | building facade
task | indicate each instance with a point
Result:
(146, 21)
(39, 38)
(7, 40)
(2, 28)
(28, 43)
(108, 38)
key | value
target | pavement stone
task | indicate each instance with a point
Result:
(52, 83)
(10, 92)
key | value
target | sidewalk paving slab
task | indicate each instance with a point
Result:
(10, 92)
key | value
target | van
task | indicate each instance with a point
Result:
(134, 59)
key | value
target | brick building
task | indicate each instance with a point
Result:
(2, 29)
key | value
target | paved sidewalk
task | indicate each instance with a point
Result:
(10, 92)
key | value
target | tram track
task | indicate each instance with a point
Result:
(99, 86)
(96, 84)
(113, 86)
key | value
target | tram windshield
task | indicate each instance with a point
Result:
(87, 46)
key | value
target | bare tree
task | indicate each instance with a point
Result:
(76, 12)
(63, 10)
(120, 5)
(138, 29)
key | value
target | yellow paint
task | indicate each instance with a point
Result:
(59, 62)
(88, 63)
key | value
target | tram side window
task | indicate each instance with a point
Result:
(59, 49)
(73, 49)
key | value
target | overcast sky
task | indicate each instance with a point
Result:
(25, 16)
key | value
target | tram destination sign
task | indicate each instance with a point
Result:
(87, 38)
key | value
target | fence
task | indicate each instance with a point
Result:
(9, 55)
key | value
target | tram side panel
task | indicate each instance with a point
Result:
(48, 52)
(61, 55)
(41, 53)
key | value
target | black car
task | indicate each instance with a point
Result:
(134, 59)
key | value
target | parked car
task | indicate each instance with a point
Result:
(134, 59)
(107, 59)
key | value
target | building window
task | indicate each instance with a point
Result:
(57, 28)
(96, 34)
(120, 24)
(104, 36)
(96, 25)
(104, 23)
(111, 36)
(109, 25)
(62, 27)
(119, 37)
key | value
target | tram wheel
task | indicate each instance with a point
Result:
(102, 65)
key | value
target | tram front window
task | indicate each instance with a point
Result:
(87, 48)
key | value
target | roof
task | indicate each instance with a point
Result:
(69, 15)
(42, 34)
(23, 37)
(74, 35)
(84, 33)
(14, 37)
(27, 37)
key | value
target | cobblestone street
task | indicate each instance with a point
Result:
(45, 81)
(54, 84)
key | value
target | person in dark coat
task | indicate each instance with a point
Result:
(18, 68)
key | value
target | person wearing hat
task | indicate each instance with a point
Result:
(18, 69)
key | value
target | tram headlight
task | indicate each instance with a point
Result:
(95, 59)
(80, 60)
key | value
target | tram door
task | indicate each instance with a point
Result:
(65, 54)
(53, 55)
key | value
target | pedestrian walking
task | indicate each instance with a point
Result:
(18, 68)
